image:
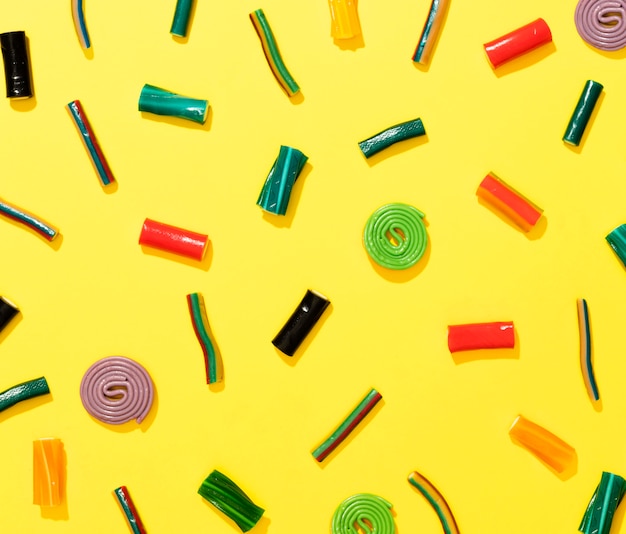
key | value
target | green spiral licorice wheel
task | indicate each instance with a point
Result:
(363, 512)
(395, 236)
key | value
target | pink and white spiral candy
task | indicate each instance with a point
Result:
(602, 23)
(116, 390)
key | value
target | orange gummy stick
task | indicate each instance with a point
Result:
(48, 472)
(345, 19)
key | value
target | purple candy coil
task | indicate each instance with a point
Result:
(602, 23)
(116, 390)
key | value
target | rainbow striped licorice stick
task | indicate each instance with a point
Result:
(272, 54)
(436, 500)
(130, 512)
(91, 143)
(212, 357)
(349, 424)
(432, 25)
(585, 350)
(78, 16)
(27, 219)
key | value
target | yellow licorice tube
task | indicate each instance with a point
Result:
(48, 472)
(344, 19)
(543, 444)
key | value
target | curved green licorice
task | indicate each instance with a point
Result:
(370, 513)
(212, 357)
(23, 391)
(230, 499)
(395, 236)
(162, 102)
(392, 135)
(181, 18)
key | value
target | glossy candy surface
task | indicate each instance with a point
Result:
(163, 102)
(436, 500)
(617, 241)
(496, 335)
(48, 472)
(130, 512)
(78, 17)
(17, 71)
(212, 357)
(509, 202)
(393, 134)
(363, 512)
(344, 19)
(21, 216)
(543, 444)
(598, 517)
(582, 113)
(173, 239)
(395, 236)
(430, 32)
(182, 13)
(586, 366)
(602, 23)
(116, 390)
(23, 391)
(8, 310)
(518, 42)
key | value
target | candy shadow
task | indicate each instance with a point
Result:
(296, 99)
(285, 221)
(176, 121)
(617, 54)
(568, 473)
(11, 326)
(578, 148)
(400, 276)
(465, 356)
(24, 104)
(293, 360)
(396, 148)
(109, 188)
(87, 52)
(357, 430)
(203, 265)
(25, 406)
(59, 513)
(262, 526)
(354, 43)
(533, 234)
(524, 61)
(192, 15)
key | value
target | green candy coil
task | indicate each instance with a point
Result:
(369, 513)
(395, 236)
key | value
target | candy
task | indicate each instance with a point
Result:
(272, 54)
(602, 23)
(163, 102)
(116, 390)
(582, 113)
(173, 239)
(347, 426)
(274, 196)
(370, 512)
(497, 335)
(395, 236)
(212, 357)
(431, 29)
(436, 500)
(345, 19)
(182, 13)
(48, 472)
(301, 322)
(585, 349)
(130, 512)
(16, 64)
(22, 392)
(8, 310)
(88, 137)
(393, 134)
(78, 16)
(617, 241)
(518, 42)
(601, 509)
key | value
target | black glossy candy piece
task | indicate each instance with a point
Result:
(16, 64)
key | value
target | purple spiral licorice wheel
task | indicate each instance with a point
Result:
(602, 23)
(116, 390)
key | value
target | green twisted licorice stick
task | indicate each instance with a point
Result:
(365, 511)
(395, 236)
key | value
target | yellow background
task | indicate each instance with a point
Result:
(95, 292)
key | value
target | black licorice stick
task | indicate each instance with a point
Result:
(16, 64)
(7, 312)
(301, 322)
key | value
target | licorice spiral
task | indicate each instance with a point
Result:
(395, 236)
(370, 513)
(116, 390)
(602, 23)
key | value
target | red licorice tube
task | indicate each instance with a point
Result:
(518, 42)
(173, 239)
(499, 335)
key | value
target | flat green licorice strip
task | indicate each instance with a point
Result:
(370, 512)
(23, 391)
(230, 499)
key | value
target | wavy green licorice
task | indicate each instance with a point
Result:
(395, 236)
(370, 513)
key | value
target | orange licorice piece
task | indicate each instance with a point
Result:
(48, 472)
(509, 202)
(543, 444)
(344, 19)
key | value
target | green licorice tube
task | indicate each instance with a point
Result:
(274, 196)
(230, 499)
(617, 241)
(599, 514)
(180, 24)
(23, 391)
(392, 135)
(582, 113)
(161, 102)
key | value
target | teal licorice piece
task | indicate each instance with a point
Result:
(276, 191)
(582, 113)
(392, 135)
(601, 509)
(180, 24)
(162, 102)
(617, 241)
(23, 391)
(230, 499)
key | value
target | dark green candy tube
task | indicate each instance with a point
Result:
(582, 113)
(23, 391)
(617, 241)
(392, 135)
(598, 517)
(161, 102)
(180, 24)
(274, 196)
